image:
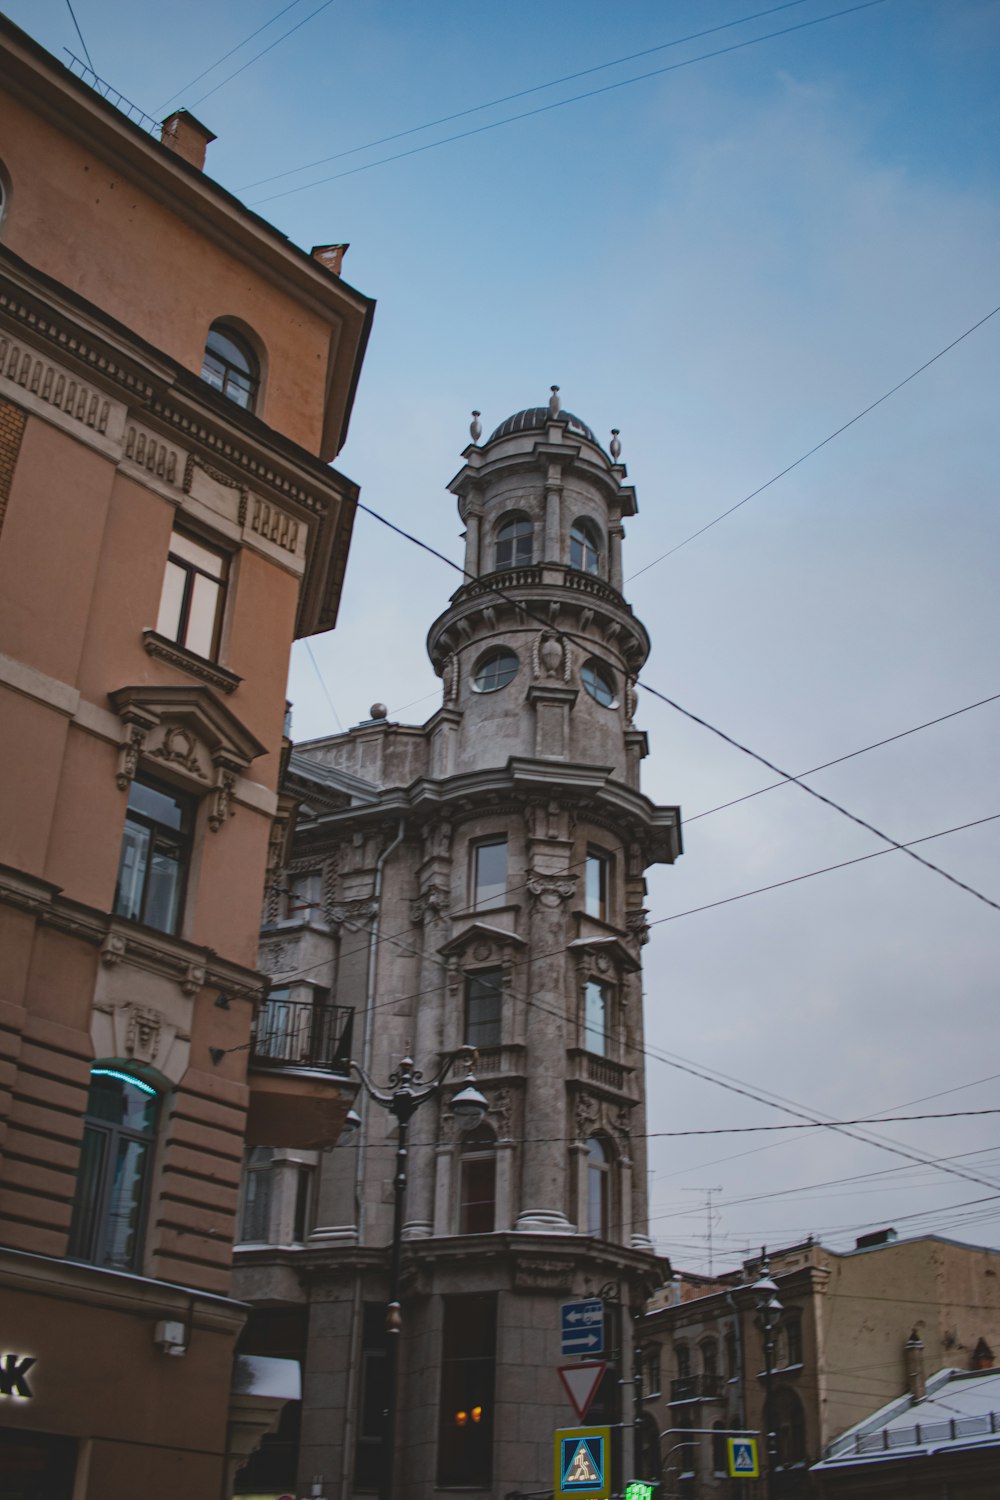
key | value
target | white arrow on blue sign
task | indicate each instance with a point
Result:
(582, 1327)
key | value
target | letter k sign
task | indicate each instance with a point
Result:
(14, 1375)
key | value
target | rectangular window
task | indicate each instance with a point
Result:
(651, 1374)
(156, 850)
(304, 893)
(113, 1178)
(483, 994)
(597, 873)
(258, 1191)
(372, 1397)
(468, 1371)
(597, 1018)
(489, 874)
(194, 591)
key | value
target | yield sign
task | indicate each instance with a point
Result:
(581, 1382)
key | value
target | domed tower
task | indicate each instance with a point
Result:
(480, 879)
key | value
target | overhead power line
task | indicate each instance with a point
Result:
(262, 53)
(542, 109)
(83, 44)
(876, 745)
(538, 88)
(816, 447)
(231, 53)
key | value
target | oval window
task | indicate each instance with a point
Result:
(599, 684)
(494, 670)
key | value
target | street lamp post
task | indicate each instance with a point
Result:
(402, 1099)
(765, 1290)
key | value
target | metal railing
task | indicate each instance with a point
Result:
(696, 1387)
(101, 86)
(916, 1436)
(299, 1034)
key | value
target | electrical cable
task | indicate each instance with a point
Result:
(322, 683)
(815, 449)
(83, 44)
(876, 745)
(227, 55)
(537, 88)
(560, 103)
(258, 55)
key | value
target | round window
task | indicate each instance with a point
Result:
(599, 684)
(494, 670)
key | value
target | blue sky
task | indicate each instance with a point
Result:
(727, 261)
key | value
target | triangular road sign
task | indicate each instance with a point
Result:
(581, 1382)
(581, 1468)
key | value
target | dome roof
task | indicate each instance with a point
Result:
(536, 418)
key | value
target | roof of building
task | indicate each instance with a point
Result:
(961, 1410)
(537, 418)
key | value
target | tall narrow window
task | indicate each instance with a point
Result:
(514, 543)
(478, 1182)
(489, 874)
(373, 1396)
(597, 879)
(584, 547)
(156, 849)
(483, 993)
(468, 1371)
(194, 591)
(255, 1205)
(305, 894)
(596, 1019)
(230, 365)
(115, 1163)
(598, 1188)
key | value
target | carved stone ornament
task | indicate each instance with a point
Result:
(222, 797)
(353, 914)
(451, 678)
(588, 1114)
(549, 657)
(430, 906)
(543, 1274)
(194, 978)
(179, 747)
(631, 699)
(113, 950)
(142, 1033)
(550, 891)
(271, 959)
(602, 963)
(501, 1110)
(621, 1125)
(637, 925)
(482, 951)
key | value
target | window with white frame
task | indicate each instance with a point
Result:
(231, 366)
(194, 593)
(514, 542)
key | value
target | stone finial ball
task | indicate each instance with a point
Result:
(379, 711)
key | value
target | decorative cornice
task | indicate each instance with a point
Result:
(188, 661)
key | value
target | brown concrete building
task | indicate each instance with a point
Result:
(174, 379)
(855, 1332)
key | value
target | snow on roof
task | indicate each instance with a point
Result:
(961, 1409)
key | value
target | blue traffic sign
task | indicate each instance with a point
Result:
(582, 1464)
(582, 1327)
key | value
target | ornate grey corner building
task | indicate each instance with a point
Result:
(492, 861)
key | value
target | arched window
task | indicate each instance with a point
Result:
(585, 547)
(116, 1159)
(514, 542)
(790, 1428)
(791, 1338)
(230, 365)
(478, 1182)
(598, 1188)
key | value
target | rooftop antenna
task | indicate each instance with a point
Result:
(711, 1219)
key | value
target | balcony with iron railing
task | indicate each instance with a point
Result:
(299, 1075)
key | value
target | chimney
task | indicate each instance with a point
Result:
(330, 256)
(914, 1351)
(182, 133)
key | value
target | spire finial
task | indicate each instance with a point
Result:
(554, 402)
(616, 447)
(476, 427)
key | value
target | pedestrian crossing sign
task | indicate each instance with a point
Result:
(743, 1462)
(582, 1464)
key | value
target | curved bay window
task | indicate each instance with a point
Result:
(585, 547)
(514, 543)
(115, 1167)
(230, 365)
(478, 1182)
(598, 1188)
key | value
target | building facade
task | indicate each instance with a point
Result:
(477, 879)
(854, 1332)
(174, 379)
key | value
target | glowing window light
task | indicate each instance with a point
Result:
(136, 1083)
